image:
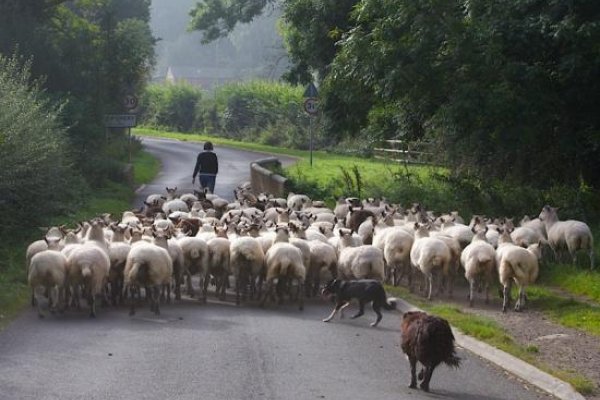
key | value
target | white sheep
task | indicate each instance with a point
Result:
(297, 202)
(572, 235)
(88, 266)
(247, 264)
(178, 257)
(396, 246)
(460, 232)
(219, 263)
(365, 230)
(41, 245)
(322, 266)
(118, 252)
(429, 255)
(283, 261)
(149, 266)
(48, 268)
(195, 261)
(524, 236)
(479, 261)
(358, 262)
(455, 251)
(519, 265)
(536, 224)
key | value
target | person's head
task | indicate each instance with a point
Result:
(208, 146)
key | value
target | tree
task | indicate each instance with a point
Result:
(507, 89)
(89, 53)
(35, 159)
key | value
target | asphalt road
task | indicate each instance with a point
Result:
(222, 351)
(177, 165)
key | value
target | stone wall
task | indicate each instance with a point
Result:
(263, 179)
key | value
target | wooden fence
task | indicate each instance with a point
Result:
(402, 151)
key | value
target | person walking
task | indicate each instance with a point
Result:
(207, 168)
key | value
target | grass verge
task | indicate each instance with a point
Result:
(580, 281)
(490, 332)
(192, 137)
(566, 311)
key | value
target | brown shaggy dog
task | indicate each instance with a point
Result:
(430, 341)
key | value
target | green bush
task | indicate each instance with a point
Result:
(36, 172)
(170, 105)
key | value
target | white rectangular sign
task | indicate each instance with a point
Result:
(119, 121)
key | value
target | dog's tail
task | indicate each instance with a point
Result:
(391, 303)
(453, 361)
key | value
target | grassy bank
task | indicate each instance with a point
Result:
(113, 198)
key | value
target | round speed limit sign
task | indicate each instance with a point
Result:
(130, 101)
(310, 105)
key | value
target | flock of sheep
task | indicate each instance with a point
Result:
(278, 247)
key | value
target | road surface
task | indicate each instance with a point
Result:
(179, 158)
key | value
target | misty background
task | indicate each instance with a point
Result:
(253, 50)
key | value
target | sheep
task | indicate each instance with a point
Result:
(365, 230)
(48, 268)
(429, 254)
(195, 261)
(524, 236)
(519, 265)
(41, 245)
(359, 262)
(118, 250)
(297, 202)
(150, 266)
(460, 232)
(357, 217)
(283, 261)
(455, 251)
(189, 199)
(396, 245)
(95, 235)
(88, 265)
(219, 264)
(322, 266)
(479, 261)
(246, 260)
(572, 234)
(536, 224)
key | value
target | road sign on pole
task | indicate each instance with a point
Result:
(119, 120)
(311, 91)
(130, 101)
(311, 106)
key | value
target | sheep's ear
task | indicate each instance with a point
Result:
(341, 233)
(350, 209)
(416, 226)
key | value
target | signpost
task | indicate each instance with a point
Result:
(121, 121)
(311, 103)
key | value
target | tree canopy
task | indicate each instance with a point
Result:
(89, 52)
(505, 89)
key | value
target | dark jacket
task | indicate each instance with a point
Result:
(207, 163)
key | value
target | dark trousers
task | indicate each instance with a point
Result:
(208, 181)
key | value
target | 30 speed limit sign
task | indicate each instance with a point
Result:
(130, 101)
(310, 105)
